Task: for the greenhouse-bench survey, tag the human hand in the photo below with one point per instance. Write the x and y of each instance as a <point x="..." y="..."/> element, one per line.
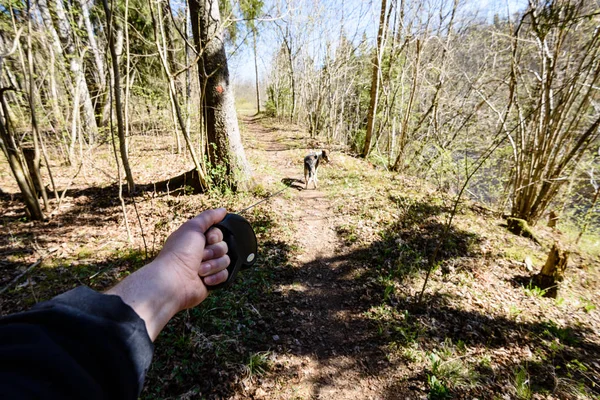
<point x="192" y="258"/>
<point x="196" y="257"/>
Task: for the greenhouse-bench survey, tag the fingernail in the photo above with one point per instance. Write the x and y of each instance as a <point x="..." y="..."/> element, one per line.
<point x="205" y="269"/>
<point x="210" y="253"/>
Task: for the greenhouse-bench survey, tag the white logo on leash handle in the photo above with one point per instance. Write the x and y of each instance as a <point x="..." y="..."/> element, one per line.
<point x="250" y="257"/>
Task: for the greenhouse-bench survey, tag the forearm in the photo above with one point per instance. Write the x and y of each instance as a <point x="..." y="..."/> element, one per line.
<point x="177" y="278"/>
<point x="150" y="292"/>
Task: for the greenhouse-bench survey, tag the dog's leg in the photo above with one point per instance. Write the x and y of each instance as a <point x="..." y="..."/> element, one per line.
<point x="316" y="177"/>
<point x="305" y="178"/>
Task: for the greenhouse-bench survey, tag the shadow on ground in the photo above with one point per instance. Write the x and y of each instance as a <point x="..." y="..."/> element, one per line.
<point x="327" y="310"/>
<point x="295" y="183"/>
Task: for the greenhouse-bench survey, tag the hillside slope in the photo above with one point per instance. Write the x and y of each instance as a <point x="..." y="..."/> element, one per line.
<point x="330" y="310"/>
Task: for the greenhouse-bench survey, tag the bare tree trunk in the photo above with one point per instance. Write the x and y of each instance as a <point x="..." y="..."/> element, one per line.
<point x="554" y="129"/>
<point x="375" y="80"/>
<point x="128" y="82"/>
<point x="67" y="38"/>
<point x="56" y="68"/>
<point x="35" y="173"/>
<point x="100" y="72"/>
<point x="17" y="166"/>
<point x="173" y="93"/>
<point x="188" y="76"/>
<point x="168" y="48"/>
<point x="256" y="71"/>
<point x="224" y="141"/>
<point x="117" y="95"/>
<point x="407" y="114"/>
<point x="74" y="124"/>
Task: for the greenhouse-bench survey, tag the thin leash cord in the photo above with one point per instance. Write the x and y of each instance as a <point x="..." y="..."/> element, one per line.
<point x="263" y="200"/>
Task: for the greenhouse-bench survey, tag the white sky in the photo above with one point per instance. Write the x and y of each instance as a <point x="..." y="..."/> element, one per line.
<point x="358" y="17"/>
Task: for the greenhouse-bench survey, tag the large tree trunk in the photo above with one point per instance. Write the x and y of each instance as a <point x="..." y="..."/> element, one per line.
<point x="375" y="81"/>
<point x="67" y="38"/>
<point x="224" y="142"/>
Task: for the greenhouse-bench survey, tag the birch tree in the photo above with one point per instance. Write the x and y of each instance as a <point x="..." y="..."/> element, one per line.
<point x="71" y="54"/>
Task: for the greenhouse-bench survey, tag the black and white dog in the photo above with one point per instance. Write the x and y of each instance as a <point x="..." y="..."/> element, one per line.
<point x="311" y="166"/>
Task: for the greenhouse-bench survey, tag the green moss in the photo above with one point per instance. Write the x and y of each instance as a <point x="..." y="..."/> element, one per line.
<point x="520" y="227"/>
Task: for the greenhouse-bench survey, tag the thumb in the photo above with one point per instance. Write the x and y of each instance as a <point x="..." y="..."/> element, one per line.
<point x="208" y="218"/>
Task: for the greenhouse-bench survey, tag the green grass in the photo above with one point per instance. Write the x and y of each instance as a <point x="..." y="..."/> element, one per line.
<point x="401" y="327"/>
<point x="437" y="389"/>
<point x="551" y="330"/>
<point x="587" y="305"/>
<point x="413" y="353"/>
<point x="534" y="291"/>
<point x="448" y="370"/>
<point x="589" y="242"/>
<point x="259" y="363"/>
<point x="521" y="384"/>
<point x="515" y="252"/>
<point x="514" y="311"/>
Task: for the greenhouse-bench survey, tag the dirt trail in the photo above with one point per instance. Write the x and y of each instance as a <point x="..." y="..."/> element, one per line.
<point x="326" y="349"/>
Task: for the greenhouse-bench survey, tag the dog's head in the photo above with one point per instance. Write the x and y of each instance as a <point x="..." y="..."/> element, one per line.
<point x="324" y="155"/>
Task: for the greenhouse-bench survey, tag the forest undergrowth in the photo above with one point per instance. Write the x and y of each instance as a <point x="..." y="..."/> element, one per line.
<point x="331" y="310"/>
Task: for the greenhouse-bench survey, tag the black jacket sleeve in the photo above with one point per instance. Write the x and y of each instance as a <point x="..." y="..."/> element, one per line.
<point x="79" y="345"/>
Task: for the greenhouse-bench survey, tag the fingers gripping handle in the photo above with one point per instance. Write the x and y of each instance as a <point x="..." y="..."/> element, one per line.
<point x="241" y="243"/>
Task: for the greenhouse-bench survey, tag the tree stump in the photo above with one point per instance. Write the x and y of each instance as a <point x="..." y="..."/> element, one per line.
<point x="552" y="219"/>
<point x="553" y="271"/>
<point x="520" y="227"/>
<point x="32" y="166"/>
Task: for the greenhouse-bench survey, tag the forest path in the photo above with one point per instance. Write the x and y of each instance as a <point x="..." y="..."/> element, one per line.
<point x="326" y="348"/>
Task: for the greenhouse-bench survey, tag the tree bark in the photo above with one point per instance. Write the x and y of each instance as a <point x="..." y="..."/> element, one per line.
<point x="117" y="95"/>
<point x="256" y="72"/>
<point x="173" y="92"/>
<point x="375" y="81"/>
<point x="68" y="43"/>
<point x="553" y="271"/>
<point x="17" y="166"/>
<point x="55" y="49"/>
<point x="168" y="47"/>
<point x="224" y="141"/>
<point x="35" y="171"/>
<point x="100" y="71"/>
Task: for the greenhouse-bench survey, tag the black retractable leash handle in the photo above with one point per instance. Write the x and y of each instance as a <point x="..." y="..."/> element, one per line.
<point x="241" y="243"/>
